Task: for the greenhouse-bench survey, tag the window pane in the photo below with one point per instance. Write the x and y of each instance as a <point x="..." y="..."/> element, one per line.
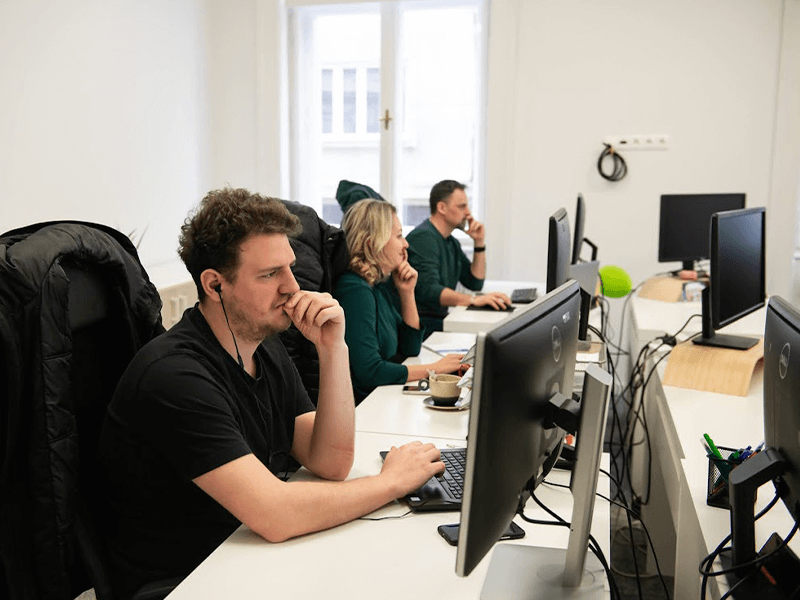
<point x="343" y="43"/>
<point x="331" y="211"/>
<point x="441" y="86"/>
<point x="327" y="100"/>
<point x="414" y="214"/>
<point x="349" y="100"/>
<point x="373" y="99"/>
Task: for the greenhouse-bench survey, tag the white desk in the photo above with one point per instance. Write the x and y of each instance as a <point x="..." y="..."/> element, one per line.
<point x="677" y="515"/>
<point x="377" y="559"/>
<point x="388" y="410"/>
<point x="369" y="559"/>
<point x="459" y="319"/>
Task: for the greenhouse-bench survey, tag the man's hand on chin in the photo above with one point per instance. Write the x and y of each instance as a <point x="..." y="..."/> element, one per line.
<point x="319" y="317"/>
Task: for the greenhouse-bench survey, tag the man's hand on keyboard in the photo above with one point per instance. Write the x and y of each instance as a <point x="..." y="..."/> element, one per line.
<point x="411" y="465"/>
<point x="497" y="300"/>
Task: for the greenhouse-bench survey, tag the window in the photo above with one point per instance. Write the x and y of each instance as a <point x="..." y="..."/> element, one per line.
<point x="353" y="114"/>
<point x="420" y="63"/>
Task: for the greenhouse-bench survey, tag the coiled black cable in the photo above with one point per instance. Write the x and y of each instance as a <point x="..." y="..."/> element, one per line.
<point x="620" y="168"/>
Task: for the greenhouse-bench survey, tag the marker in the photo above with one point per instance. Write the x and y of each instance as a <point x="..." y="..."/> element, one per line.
<point x="714" y="454"/>
<point x="711" y="446"/>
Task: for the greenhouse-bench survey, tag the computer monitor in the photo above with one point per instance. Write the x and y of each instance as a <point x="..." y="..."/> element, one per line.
<point x="585" y="273"/>
<point x="780" y="460"/>
<point x="683" y="233"/>
<point x="524" y="373"/>
<point x="782" y="393"/>
<point x="578" y="239"/>
<point x="558" y="259"/>
<point x="737" y="284"/>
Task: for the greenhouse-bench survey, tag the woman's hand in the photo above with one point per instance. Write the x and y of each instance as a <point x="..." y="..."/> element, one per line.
<point x="405" y="276"/>
<point x="449" y="364"/>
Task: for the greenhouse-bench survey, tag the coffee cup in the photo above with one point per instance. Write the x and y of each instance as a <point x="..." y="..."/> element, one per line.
<point x="444" y="389"/>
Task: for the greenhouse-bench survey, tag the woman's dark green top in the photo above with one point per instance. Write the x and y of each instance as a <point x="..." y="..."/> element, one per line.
<point x="375" y="332"/>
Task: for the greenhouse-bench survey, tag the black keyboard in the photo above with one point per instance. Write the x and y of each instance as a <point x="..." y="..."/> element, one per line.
<point x="442" y="492"/>
<point x="524" y="295"/>
<point x="453" y="477"/>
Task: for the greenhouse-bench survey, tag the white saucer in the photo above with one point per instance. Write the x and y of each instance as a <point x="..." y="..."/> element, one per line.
<point x="459" y="405"/>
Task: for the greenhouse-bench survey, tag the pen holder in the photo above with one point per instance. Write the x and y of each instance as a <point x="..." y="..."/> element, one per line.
<point x="717" y="492"/>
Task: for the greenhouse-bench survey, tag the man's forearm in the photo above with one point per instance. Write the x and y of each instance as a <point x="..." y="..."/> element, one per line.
<point x="278" y="511"/>
<point x="478" y="267"/>
<point x="450" y="297"/>
<point x="321" y="505"/>
<point x="332" y="441"/>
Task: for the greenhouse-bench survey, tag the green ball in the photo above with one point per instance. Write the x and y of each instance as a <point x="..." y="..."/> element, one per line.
<point x="616" y="281"/>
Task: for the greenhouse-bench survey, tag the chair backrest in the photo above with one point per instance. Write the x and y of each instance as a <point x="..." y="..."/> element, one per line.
<point x="321" y="253"/>
<point x="75" y="306"/>
<point x="95" y="370"/>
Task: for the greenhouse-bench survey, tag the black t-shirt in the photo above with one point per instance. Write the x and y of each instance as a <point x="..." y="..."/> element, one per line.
<point x="183" y="408"/>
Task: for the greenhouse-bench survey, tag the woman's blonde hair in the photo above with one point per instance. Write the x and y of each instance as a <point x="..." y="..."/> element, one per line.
<point x="367" y="225"/>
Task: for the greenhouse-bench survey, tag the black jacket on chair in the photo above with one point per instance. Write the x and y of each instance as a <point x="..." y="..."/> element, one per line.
<point x="321" y="253"/>
<point x="75" y="306"/>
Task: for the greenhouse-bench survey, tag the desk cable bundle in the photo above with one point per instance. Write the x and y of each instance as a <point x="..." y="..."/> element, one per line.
<point x="619" y="499"/>
<point x="637" y="386"/>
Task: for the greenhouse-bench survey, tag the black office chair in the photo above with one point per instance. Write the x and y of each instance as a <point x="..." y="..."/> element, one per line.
<point x="75" y="306"/>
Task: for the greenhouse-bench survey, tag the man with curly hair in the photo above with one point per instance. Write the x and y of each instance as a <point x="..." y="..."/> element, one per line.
<point x="208" y="417"/>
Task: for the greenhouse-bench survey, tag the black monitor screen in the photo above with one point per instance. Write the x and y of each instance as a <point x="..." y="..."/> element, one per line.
<point x="577" y="238"/>
<point x="737" y="264"/>
<point x="558" y="259"/>
<point x="782" y="393"/>
<point x="684" y="225"/>
<point x="520" y="364"/>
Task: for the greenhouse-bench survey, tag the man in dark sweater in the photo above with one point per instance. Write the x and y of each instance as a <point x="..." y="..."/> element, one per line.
<point x="441" y="263"/>
<point x="208" y="416"/>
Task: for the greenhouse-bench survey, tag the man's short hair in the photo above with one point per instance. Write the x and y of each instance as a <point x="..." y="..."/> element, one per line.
<point x="212" y="235"/>
<point x="442" y="190"/>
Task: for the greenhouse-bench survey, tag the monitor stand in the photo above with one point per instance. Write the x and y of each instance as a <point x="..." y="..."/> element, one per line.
<point x="721" y="340"/>
<point x="536" y="573"/>
<point x="709" y="337"/>
<point x="533" y="572"/>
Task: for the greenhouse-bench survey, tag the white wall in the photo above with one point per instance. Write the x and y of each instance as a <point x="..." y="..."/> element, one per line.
<point x="564" y="74"/>
<point x="103" y="116"/>
<point x="126" y="112"/>
<point x="249" y="112"/>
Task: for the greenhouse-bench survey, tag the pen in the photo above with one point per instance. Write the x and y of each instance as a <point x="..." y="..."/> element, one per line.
<point x="432" y="350"/>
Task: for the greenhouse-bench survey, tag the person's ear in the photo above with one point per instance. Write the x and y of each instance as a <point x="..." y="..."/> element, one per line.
<point x="211" y="281"/>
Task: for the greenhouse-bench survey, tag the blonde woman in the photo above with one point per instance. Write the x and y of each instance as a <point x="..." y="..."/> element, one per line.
<point x="382" y="326"/>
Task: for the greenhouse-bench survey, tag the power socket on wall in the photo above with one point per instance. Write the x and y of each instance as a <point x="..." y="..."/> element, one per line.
<point x="638" y="141"/>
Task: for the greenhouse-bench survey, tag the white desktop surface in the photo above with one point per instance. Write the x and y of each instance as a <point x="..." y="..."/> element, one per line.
<point x="474" y="321"/>
<point x="654" y="318"/>
<point x="388" y="410"/>
<point x="459" y="319"/>
<point x="370" y="559"/>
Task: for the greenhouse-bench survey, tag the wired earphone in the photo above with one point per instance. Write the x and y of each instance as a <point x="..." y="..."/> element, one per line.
<point x="218" y="288"/>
